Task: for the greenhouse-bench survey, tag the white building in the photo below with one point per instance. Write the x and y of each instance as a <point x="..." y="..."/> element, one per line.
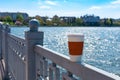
<point x="14" y="15"/>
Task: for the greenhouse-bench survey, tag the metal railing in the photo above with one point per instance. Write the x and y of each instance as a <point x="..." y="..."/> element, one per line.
<point x="16" y="58"/>
<point x="27" y="59"/>
<point x="72" y="70"/>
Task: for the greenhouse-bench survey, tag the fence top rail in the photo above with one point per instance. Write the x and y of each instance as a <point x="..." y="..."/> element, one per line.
<point x="83" y="70"/>
<point x="19" y="39"/>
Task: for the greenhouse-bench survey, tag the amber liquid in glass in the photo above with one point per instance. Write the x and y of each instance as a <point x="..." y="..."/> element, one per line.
<point x="75" y="48"/>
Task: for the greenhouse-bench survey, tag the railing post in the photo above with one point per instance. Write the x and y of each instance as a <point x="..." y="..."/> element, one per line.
<point x="5" y="49"/>
<point x="1" y="41"/>
<point x="32" y="37"/>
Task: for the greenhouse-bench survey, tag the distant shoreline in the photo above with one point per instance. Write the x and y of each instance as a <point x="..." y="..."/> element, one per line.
<point x="63" y="26"/>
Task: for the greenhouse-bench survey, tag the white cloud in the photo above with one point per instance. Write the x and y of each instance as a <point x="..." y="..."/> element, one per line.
<point x="95" y="7"/>
<point x="110" y="10"/>
<point x="50" y="2"/>
<point x="46" y="4"/>
<point x="113" y="5"/>
<point x="116" y="2"/>
<point x="45" y="7"/>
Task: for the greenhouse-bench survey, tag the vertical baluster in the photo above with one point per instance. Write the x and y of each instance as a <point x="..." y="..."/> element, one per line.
<point x="50" y="74"/>
<point x="37" y="66"/>
<point x="45" y="68"/>
<point x="16" y="68"/>
<point x="20" y="48"/>
<point x="1" y="41"/>
<point x="57" y="73"/>
<point x="19" y="67"/>
<point x="24" y="71"/>
<point x="68" y="76"/>
<point x="54" y="72"/>
<point x="23" y="49"/>
<point x="41" y="68"/>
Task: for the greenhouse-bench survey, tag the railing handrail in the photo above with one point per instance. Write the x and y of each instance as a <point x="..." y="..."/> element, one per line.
<point x="21" y="44"/>
<point x="20" y="39"/>
<point x="85" y="71"/>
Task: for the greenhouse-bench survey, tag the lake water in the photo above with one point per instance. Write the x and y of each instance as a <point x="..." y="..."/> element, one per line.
<point x="101" y="47"/>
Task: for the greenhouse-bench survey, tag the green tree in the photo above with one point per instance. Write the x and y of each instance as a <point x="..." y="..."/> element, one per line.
<point x="116" y="23"/>
<point x="102" y="22"/>
<point x="108" y="22"/>
<point x="62" y="23"/>
<point x="40" y="20"/>
<point x="20" y="18"/>
<point x="111" y="20"/>
<point x="2" y="19"/>
<point x="8" y="19"/>
<point x="79" y="21"/>
<point x="48" y="23"/>
<point x="56" y="20"/>
<point x="25" y="22"/>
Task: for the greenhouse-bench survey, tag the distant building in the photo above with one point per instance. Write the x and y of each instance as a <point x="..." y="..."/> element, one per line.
<point x="91" y="20"/>
<point x="14" y="15"/>
<point x="68" y="20"/>
<point x="116" y="19"/>
<point x="44" y="18"/>
<point x="18" y="23"/>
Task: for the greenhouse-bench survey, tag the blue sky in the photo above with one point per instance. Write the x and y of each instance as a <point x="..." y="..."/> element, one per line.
<point x="102" y="8"/>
